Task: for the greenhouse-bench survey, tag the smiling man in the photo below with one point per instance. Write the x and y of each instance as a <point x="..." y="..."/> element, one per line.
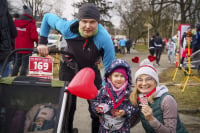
<point x="88" y="42"/>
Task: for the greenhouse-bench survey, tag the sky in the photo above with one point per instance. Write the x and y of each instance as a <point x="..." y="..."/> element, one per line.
<point x="68" y="10"/>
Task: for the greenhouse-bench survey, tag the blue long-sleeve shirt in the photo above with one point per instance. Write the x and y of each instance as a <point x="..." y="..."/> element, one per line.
<point x="103" y="45"/>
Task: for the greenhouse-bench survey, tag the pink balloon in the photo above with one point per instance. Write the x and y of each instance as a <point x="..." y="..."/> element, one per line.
<point x="82" y="85"/>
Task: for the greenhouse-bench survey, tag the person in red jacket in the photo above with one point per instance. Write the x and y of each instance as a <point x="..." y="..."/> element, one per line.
<point x="27" y="35"/>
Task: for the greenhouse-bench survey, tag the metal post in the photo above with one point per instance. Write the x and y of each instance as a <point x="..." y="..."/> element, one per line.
<point x="148" y="36"/>
<point x="172" y="25"/>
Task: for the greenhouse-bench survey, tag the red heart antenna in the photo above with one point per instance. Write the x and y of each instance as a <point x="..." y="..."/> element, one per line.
<point x="151" y="58"/>
<point x="135" y="59"/>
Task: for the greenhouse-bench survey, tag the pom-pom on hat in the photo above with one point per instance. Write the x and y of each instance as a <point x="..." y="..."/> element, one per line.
<point x="89" y="11"/>
<point x="146" y="67"/>
<point x="27" y="10"/>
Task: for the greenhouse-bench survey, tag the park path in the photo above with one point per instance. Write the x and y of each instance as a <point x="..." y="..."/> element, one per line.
<point x="82" y="118"/>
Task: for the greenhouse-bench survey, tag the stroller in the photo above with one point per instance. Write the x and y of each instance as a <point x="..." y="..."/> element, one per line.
<point x="19" y="95"/>
<point x="195" y="61"/>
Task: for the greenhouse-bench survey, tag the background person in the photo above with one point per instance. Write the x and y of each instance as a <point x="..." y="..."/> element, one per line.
<point x="114" y="99"/>
<point x="186" y="40"/>
<point x="128" y="45"/>
<point x="171" y="47"/>
<point x="88" y="41"/>
<point x="27" y="35"/>
<point x="152" y="46"/>
<point x="196" y="39"/>
<point x="122" y="44"/>
<point x="158" y="109"/>
<point x="158" y="47"/>
<point x="116" y="44"/>
<point x="8" y="32"/>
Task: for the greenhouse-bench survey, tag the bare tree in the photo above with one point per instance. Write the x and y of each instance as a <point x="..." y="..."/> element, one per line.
<point x="59" y="5"/>
<point x="160" y="15"/>
<point x="103" y="5"/>
<point x="133" y="18"/>
<point x="39" y="7"/>
<point x="187" y="9"/>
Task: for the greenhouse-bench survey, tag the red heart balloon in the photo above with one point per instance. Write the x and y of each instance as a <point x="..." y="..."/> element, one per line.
<point x="135" y="60"/>
<point x="151" y="58"/>
<point x="82" y="85"/>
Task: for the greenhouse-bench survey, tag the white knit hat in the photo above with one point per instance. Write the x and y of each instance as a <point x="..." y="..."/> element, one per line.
<point x="146" y="67"/>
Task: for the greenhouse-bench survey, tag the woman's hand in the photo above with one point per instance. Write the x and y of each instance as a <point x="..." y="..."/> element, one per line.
<point x="147" y="112"/>
<point x="43" y="50"/>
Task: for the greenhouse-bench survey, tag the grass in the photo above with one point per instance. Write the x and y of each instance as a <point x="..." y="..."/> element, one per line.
<point x="188" y="100"/>
<point x="141" y="48"/>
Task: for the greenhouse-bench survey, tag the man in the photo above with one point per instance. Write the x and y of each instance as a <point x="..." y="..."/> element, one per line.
<point x="8" y="33"/>
<point x="158" y="47"/>
<point x="122" y="44"/>
<point x="27" y="35"/>
<point x="87" y="41"/>
<point x="185" y="42"/>
<point x="196" y="39"/>
<point x="128" y="45"/>
<point x="151" y="46"/>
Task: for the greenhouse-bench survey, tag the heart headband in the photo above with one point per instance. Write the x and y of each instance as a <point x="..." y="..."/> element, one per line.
<point x="150" y="57"/>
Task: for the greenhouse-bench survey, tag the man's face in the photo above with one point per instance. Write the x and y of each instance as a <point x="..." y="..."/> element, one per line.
<point x="88" y="26"/>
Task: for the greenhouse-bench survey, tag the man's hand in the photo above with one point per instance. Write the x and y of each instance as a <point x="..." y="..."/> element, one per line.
<point x="43" y="50"/>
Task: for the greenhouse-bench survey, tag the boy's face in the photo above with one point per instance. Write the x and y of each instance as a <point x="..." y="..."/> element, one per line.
<point x="88" y="26"/>
<point x="117" y="79"/>
<point x="40" y="122"/>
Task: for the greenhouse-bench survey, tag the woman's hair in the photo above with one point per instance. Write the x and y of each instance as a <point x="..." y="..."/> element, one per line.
<point x="134" y="96"/>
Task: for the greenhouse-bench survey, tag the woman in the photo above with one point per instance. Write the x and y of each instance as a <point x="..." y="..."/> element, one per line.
<point x="158" y="109"/>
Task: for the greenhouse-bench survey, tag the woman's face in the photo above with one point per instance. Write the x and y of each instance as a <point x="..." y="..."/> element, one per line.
<point x="145" y="83"/>
<point x="88" y="26"/>
<point x="117" y="79"/>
